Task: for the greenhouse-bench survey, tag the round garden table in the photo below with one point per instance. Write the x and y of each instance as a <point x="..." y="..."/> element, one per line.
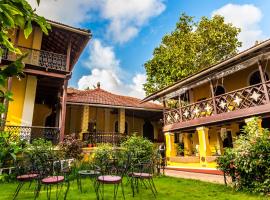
<point x="92" y="174"/>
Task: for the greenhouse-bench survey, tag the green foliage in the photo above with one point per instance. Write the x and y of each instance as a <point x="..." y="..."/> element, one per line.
<point x="139" y="148"/>
<point x="39" y="152"/>
<point x="15" y="14"/>
<point x="71" y="147"/>
<point x="180" y="149"/>
<point x="250" y="158"/>
<point x="102" y="154"/>
<point x="226" y="163"/>
<point x="18" y="14"/>
<point x="10" y="146"/>
<point x="191" y="47"/>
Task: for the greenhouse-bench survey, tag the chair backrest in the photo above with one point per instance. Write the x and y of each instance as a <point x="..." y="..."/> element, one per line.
<point x="145" y="167"/>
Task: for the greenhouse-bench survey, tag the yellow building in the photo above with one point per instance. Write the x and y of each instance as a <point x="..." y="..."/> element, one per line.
<point x="39" y="102"/>
<point x="205" y="112"/>
<point x="98" y="116"/>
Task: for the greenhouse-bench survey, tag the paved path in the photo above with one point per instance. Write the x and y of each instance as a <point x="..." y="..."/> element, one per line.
<point x="197" y="176"/>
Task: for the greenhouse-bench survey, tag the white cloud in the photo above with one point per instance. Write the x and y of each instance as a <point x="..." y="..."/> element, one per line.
<point x="125" y="17"/>
<point x="247" y="17"/>
<point x="105" y="68"/>
<point x="71" y="12"/>
<point x="102" y="57"/>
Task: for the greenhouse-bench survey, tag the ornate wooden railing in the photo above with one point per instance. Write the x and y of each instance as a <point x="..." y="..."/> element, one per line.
<point x="243" y="98"/>
<point x="29" y="133"/>
<point x="104" y="137"/>
<point x="41" y="58"/>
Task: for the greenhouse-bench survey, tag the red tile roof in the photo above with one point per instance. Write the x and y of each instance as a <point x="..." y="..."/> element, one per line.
<point x="101" y="97"/>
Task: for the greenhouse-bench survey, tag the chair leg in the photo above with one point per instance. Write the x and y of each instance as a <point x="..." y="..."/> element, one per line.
<point x="19" y="187"/>
<point x="132" y="186"/>
<point x="115" y="187"/>
<point x="30" y="184"/>
<point x="122" y="188"/>
<point x="144" y="184"/>
<point x="67" y="190"/>
<point x="102" y="194"/>
<point x="151" y="187"/>
<point x="59" y="191"/>
<point x="56" y="192"/>
<point x="97" y="189"/>
<point x="152" y="181"/>
<point x="38" y="187"/>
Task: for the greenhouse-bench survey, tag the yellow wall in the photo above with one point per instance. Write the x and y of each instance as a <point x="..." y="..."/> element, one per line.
<point x="200" y="92"/>
<point x="33" y="41"/>
<point x="74" y="117"/>
<point x="232" y="82"/>
<point x="41" y="112"/>
<point x="15" y="107"/>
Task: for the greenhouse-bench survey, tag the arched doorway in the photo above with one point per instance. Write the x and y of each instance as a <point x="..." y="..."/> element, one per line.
<point x="148" y="130"/>
<point x="219" y="90"/>
<point x="255" y="78"/>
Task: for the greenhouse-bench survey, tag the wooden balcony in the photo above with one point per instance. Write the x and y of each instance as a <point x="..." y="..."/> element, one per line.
<point x="44" y="59"/>
<point x="245" y="102"/>
<point x="29" y="133"/>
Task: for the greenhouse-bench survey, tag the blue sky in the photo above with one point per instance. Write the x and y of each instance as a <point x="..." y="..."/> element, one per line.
<point x="125" y="33"/>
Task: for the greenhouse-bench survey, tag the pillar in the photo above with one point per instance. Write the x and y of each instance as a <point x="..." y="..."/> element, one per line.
<point x="29" y="100"/>
<point x="234" y="130"/>
<point x="63" y="111"/>
<point x="170" y="147"/>
<point x="187" y="144"/>
<point x="220" y="143"/>
<point x="155" y="125"/>
<point x="121" y="120"/>
<point x="85" y="120"/>
<point x="73" y="118"/>
<point x="107" y="120"/>
<point x="204" y="145"/>
<point x="252" y="121"/>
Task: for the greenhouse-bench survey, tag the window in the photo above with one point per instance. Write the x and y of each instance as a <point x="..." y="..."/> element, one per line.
<point x="255" y="78"/>
<point x="219" y="90"/>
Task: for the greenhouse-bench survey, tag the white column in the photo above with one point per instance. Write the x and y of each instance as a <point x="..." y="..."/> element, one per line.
<point x="29" y="100"/>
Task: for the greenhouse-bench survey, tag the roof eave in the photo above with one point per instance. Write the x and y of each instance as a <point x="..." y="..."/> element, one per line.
<point x="70" y="28"/>
<point x="115" y="106"/>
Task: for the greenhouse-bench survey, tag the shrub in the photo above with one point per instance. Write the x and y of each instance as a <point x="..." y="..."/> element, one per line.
<point x="102" y="154"/>
<point x="10" y="146"/>
<point x="71" y="147"/>
<point x="39" y="152"/>
<point x="140" y="149"/>
<point x="250" y="159"/>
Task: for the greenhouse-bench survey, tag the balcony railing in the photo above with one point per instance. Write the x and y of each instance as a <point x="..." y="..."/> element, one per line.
<point x="29" y="133"/>
<point x="104" y="137"/>
<point x="41" y="58"/>
<point x="242" y="99"/>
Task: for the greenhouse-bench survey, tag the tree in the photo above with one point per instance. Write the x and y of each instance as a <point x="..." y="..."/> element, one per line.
<point x="191" y="47"/>
<point x="15" y="14"/>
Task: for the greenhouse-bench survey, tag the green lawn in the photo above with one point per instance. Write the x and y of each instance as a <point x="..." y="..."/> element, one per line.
<point x="168" y="188"/>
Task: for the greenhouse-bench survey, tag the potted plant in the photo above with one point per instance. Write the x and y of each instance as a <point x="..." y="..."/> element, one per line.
<point x="180" y="149"/>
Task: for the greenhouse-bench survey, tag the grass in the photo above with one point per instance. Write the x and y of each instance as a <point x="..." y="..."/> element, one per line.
<point x="168" y="188"/>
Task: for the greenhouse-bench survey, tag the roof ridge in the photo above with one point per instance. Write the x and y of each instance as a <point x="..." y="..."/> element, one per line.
<point x="101" y="96"/>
